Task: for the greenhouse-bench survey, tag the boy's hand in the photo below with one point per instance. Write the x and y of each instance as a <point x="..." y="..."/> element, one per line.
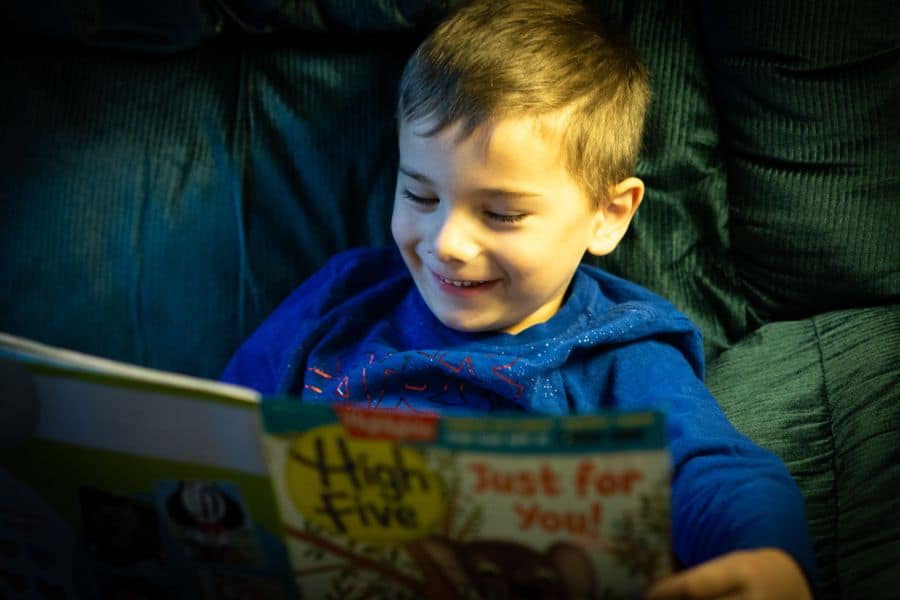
<point x="766" y="574"/>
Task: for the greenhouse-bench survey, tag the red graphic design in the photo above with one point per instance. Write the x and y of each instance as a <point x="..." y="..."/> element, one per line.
<point x="412" y="390"/>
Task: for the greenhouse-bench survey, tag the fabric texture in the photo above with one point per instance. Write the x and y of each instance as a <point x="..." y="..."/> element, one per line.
<point x="822" y="394"/>
<point x="147" y="26"/>
<point x="679" y="242"/>
<point x="359" y="331"/>
<point x="117" y="202"/>
<point x="770" y="386"/>
<point x="183" y="198"/>
<point x="810" y="119"/>
<point x="319" y="167"/>
<point x="861" y="371"/>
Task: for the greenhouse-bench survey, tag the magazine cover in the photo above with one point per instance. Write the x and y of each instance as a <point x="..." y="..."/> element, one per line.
<point x="381" y="504"/>
<point x="121" y="482"/>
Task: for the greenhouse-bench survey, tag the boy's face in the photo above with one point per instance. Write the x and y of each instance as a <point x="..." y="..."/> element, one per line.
<point x="492" y="227"/>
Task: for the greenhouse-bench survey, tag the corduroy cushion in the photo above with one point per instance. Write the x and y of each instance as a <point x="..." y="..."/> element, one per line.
<point x="679" y="240"/>
<point x="321" y="162"/>
<point x="118" y="199"/>
<point x="824" y="394"/>
<point x="155" y="210"/>
<point x="149" y="26"/>
<point x="809" y="97"/>
<point x="171" y="26"/>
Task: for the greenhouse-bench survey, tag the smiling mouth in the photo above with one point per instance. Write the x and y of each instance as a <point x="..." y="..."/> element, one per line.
<point x="460" y="283"/>
<point x="462" y="288"/>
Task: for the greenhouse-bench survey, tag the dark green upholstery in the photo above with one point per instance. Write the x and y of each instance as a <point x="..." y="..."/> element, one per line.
<point x="320" y="163"/>
<point x="861" y="372"/>
<point x="118" y="202"/>
<point x="679" y="242"/>
<point x="810" y="114"/>
<point x="822" y="394"/>
<point x="172" y="170"/>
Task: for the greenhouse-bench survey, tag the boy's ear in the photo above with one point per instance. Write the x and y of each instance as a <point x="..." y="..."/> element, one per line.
<point x="611" y="221"/>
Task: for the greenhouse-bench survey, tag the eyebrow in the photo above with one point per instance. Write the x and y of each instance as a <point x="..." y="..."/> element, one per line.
<point x="496" y="192"/>
<point x="414" y="175"/>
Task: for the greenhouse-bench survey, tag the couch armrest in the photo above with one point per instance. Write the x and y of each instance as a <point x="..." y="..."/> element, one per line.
<point x="824" y="394"/>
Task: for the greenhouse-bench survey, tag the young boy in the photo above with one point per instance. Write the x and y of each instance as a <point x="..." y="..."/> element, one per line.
<point x="519" y="128"/>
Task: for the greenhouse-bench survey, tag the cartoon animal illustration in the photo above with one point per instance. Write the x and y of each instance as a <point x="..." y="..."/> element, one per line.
<point x="500" y="570"/>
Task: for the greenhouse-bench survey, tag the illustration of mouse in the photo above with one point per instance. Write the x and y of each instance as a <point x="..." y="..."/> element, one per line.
<point x="500" y="570"/>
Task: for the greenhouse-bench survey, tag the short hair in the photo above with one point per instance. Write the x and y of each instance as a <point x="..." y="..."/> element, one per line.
<point x="517" y="58"/>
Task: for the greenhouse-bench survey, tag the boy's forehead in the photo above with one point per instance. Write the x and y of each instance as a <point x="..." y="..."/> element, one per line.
<point x="498" y="136"/>
<point x="528" y="131"/>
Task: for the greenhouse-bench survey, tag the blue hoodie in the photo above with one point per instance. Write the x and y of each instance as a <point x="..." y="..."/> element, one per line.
<point x="359" y="331"/>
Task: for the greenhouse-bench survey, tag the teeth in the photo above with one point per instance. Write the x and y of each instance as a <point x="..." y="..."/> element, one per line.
<point x="455" y="283"/>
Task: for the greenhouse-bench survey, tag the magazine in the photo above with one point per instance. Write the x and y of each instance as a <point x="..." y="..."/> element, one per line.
<point x="121" y="481"/>
<point x="380" y="504"/>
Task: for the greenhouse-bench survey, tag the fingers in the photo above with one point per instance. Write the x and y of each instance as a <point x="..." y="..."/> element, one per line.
<point x="714" y="579"/>
<point x="764" y="574"/>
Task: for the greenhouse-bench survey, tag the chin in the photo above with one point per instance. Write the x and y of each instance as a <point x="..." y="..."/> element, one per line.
<point x="466" y="326"/>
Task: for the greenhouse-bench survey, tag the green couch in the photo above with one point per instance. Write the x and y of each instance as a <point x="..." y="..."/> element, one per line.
<point x="173" y="169"/>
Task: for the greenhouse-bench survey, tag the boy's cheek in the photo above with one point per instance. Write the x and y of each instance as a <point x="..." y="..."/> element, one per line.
<point x="399" y="226"/>
<point x="405" y="237"/>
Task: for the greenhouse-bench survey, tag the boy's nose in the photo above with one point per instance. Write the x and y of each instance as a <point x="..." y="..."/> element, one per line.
<point x="452" y="240"/>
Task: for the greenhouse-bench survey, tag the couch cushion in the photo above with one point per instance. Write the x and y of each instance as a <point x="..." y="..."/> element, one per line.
<point x="336" y="16"/>
<point x="824" y="394"/>
<point x="149" y="26"/>
<point x="678" y="243"/>
<point x="861" y="359"/>
<point x="118" y="201"/>
<point x="171" y="26"/>
<point x="810" y="108"/>
<point x="320" y="162"/>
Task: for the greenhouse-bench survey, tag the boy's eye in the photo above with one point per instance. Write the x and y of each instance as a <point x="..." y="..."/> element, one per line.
<point x="505" y="218"/>
<point x="419" y="199"/>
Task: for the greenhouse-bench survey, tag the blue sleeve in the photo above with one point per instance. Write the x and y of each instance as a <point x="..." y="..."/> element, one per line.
<point x="727" y="492"/>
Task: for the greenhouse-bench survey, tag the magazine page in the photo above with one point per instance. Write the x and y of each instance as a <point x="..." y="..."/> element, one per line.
<point x="123" y="482"/>
<point x="402" y="505"/>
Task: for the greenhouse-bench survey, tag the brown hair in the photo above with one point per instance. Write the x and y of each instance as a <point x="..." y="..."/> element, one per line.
<point x="514" y="58"/>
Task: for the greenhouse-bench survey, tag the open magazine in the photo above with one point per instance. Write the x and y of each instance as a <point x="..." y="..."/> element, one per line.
<point x="120" y="481"/>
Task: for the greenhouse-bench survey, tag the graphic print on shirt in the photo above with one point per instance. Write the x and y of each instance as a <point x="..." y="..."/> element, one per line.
<point x="418" y="380"/>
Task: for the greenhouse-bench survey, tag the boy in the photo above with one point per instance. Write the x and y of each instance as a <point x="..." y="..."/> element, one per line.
<point x="519" y="125"/>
